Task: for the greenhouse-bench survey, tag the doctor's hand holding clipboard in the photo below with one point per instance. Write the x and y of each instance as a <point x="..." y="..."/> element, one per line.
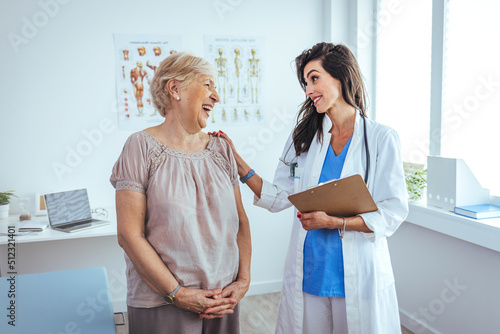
<point x="338" y="274"/>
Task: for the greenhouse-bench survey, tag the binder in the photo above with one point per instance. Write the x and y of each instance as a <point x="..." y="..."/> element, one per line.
<point x="342" y="198"/>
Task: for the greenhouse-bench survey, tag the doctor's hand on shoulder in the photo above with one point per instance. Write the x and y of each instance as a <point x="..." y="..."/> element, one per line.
<point x="318" y="219"/>
<point x="238" y="158"/>
<point x="226" y="137"/>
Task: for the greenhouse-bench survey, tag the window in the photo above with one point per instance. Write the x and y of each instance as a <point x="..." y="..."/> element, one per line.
<point x="403" y="73"/>
<point x="471" y="94"/>
<point x="470" y="110"/>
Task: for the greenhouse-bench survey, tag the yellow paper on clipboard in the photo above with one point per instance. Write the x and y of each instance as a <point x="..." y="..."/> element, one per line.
<point x="342" y="198"/>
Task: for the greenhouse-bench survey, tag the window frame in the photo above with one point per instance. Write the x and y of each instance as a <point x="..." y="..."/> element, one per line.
<point x="439" y="8"/>
<point x="482" y="231"/>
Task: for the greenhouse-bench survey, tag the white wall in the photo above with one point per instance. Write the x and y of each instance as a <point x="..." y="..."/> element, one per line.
<point x="62" y="82"/>
<point x="444" y="284"/>
<point x="353" y="23"/>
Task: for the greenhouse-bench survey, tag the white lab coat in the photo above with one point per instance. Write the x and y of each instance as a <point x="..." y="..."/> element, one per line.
<point x="369" y="282"/>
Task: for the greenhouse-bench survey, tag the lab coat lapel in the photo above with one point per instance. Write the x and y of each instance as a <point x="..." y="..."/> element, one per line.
<point x="319" y="150"/>
<point x="348" y="168"/>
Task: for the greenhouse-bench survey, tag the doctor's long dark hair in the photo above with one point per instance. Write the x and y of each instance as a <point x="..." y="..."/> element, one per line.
<point x="341" y="64"/>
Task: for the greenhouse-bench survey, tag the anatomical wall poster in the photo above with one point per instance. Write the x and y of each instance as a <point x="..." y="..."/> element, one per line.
<point x="239" y="65"/>
<point x="137" y="58"/>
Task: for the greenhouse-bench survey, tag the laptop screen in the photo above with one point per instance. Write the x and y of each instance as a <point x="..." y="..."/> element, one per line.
<point x="68" y="207"/>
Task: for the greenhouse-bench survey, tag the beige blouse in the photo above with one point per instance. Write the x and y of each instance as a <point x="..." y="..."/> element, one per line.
<point x="191" y="218"/>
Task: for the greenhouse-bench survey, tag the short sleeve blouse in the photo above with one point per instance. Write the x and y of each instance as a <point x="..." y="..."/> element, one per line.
<point x="191" y="218"/>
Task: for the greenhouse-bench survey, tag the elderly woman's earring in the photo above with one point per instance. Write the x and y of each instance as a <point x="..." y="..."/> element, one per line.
<point x="178" y="98"/>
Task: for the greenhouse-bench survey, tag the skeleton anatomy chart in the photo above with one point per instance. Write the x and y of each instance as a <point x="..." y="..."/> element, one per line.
<point x="137" y="58"/>
<point x="238" y="62"/>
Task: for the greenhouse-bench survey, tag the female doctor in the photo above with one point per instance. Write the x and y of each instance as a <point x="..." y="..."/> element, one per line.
<point x="338" y="275"/>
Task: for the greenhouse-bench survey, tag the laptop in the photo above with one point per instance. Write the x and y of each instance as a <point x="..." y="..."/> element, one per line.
<point x="69" y="211"/>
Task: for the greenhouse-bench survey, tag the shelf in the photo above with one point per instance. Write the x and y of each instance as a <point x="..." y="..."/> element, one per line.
<point x="482" y="232"/>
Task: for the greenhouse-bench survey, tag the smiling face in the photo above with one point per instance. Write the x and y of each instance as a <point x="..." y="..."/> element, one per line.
<point x="198" y="100"/>
<point x="324" y="90"/>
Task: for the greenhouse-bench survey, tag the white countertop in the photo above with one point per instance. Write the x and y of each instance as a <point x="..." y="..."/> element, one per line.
<point x="482" y="232"/>
<point x="50" y="234"/>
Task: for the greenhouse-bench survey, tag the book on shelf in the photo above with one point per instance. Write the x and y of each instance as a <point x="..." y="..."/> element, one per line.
<point x="479" y="211"/>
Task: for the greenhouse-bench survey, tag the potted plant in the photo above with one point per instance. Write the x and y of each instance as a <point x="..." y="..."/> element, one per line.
<point x="416" y="183"/>
<point x="416" y="180"/>
<point x="5" y="203"/>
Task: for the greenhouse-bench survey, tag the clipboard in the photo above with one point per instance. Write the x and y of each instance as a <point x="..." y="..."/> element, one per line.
<point x="342" y="198"/>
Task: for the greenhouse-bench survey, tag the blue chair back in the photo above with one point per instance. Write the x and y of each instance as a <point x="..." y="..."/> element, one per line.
<point x="70" y="301"/>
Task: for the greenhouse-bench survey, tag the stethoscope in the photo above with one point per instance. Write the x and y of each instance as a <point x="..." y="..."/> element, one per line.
<point x="293" y="164"/>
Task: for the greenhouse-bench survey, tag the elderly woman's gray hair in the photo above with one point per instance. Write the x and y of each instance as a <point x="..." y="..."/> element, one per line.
<point x="181" y="66"/>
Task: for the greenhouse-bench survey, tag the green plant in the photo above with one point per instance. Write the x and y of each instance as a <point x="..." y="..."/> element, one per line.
<point x="416" y="183"/>
<point x="5" y="197"/>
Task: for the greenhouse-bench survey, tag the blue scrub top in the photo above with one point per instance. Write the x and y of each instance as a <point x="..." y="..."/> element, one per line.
<point x="323" y="259"/>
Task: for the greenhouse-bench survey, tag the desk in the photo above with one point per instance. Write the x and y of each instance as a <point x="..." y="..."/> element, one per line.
<point x="53" y="250"/>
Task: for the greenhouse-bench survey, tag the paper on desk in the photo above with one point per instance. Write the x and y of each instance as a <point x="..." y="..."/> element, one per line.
<point x="33" y="225"/>
<point x="28" y="227"/>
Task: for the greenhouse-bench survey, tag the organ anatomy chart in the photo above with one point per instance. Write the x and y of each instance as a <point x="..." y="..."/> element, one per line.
<point x="239" y="67"/>
<point x="137" y="58"/>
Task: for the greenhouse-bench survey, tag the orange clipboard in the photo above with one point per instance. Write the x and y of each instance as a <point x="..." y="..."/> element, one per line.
<point x="342" y="198"/>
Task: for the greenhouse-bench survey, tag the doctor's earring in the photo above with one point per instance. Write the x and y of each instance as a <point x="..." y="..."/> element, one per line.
<point x="178" y="98"/>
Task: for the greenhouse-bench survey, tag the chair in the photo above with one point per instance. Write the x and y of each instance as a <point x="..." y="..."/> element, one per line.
<point x="70" y="301"/>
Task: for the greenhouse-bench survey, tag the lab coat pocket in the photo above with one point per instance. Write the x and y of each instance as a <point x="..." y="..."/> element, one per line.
<point x="383" y="268"/>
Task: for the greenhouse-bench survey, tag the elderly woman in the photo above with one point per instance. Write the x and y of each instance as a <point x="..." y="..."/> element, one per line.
<point x="181" y="221"/>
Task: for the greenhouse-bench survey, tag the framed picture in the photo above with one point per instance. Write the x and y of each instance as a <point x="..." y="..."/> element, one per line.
<point x="40" y="209"/>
